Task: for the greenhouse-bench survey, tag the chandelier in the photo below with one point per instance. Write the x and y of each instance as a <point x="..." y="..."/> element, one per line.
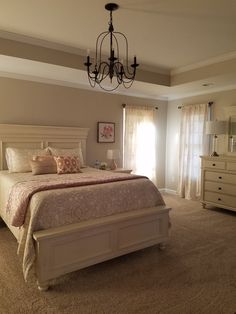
<point x="113" y="68"/>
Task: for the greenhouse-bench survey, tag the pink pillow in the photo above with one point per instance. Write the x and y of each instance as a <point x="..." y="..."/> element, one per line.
<point x="67" y="164"/>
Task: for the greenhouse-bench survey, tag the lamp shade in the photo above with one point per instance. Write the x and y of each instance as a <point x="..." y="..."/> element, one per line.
<point x="216" y="127"/>
<point x="113" y="154"/>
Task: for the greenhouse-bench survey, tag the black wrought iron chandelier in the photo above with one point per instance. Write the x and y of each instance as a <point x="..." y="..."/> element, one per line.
<point x="113" y="68"/>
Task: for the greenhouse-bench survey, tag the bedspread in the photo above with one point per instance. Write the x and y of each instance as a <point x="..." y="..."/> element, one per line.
<point x="53" y="208"/>
<point x="22" y="191"/>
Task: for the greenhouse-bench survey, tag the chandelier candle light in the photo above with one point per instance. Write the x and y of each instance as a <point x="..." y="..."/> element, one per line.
<point x="113" y="67"/>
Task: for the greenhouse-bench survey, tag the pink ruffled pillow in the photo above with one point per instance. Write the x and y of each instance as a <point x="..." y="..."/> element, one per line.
<point x="67" y="164"/>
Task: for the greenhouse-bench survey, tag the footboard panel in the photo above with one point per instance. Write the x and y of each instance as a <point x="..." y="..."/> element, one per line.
<point x="72" y="247"/>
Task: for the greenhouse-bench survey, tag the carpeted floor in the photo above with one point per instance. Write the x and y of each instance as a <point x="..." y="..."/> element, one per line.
<point x="196" y="273"/>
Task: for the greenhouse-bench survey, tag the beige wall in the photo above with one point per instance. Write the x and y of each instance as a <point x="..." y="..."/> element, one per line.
<point x="24" y="102"/>
<point x="221" y="101"/>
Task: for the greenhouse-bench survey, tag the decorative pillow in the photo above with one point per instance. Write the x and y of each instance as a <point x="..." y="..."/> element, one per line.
<point x="18" y="159"/>
<point x="67" y="164"/>
<point x="68" y="152"/>
<point x="43" y="165"/>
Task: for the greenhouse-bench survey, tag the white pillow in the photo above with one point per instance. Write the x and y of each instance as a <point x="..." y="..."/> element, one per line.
<point x="18" y="159"/>
<point x="68" y="152"/>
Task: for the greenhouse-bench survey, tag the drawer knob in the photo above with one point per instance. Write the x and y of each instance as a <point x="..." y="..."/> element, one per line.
<point x="213" y="165"/>
<point x="219" y="188"/>
<point x="220" y="177"/>
<point x="219" y="199"/>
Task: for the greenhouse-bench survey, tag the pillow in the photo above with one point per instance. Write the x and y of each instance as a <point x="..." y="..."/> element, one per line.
<point x="43" y="165"/>
<point x="18" y="158"/>
<point x="67" y="164"/>
<point x="68" y="152"/>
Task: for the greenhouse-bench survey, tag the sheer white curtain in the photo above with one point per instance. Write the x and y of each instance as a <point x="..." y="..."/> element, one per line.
<point x="193" y="143"/>
<point x="140" y="140"/>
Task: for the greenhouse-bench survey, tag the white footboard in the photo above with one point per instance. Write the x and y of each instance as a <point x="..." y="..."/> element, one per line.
<point x="72" y="247"/>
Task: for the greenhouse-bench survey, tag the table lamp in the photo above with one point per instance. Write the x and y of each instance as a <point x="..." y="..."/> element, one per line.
<point x="113" y="154"/>
<point x="215" y="128"/>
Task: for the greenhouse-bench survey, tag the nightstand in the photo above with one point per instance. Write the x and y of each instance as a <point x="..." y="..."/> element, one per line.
<point x="122" y="170"/>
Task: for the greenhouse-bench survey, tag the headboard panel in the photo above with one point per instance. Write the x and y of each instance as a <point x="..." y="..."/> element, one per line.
<point x="31" y="136"/>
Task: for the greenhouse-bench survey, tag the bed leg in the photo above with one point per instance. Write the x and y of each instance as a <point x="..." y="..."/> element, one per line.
<point x="43" y="286"/>
<point x="162" y="246"/>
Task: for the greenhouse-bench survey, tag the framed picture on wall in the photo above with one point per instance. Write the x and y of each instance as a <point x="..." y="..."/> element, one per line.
<point x="106" y="132"/>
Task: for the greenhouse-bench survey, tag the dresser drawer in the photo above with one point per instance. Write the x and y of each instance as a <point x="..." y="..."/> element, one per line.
<point x="220" y="177"/>
<point x="220" y="199"/>
<point x="231" y="166"/>
<point x="220" y="187"/>
<point x="214" y="164"/>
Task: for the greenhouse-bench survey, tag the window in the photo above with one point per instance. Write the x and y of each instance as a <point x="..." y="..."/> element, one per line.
<point x="139" y="140"/>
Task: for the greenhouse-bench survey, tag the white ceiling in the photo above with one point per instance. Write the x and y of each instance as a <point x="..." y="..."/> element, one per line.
<point x="164" y="34"/>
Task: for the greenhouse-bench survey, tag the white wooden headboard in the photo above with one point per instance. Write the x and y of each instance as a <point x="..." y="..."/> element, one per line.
<point x="31" y="136"/>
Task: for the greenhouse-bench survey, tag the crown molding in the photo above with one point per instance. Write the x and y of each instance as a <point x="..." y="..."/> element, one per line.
<point x="69" y="49"/>
<point x="214" y="60"/>
<point x="36" y="71"/>
<point x="205" y="92"/>
<point x="41" y="42"/>
<point x="24" y="69"/>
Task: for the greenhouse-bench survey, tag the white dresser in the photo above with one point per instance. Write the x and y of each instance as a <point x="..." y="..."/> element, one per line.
<point x="219" y="181"/>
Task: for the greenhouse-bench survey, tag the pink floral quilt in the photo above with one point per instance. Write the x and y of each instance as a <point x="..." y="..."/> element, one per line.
<point x="21" y="192"/>
<point x="48" y="201"/>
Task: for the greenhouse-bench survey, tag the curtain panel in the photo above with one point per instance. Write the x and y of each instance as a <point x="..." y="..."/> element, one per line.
<point x="193" y="143"/>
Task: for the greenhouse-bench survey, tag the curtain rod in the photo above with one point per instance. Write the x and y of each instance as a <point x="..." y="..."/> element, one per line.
<point x="210" y="103"/>
<point x="124" y="105"/>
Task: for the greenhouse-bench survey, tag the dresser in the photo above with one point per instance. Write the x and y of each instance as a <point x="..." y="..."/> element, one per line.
<point x="218" y="175"/>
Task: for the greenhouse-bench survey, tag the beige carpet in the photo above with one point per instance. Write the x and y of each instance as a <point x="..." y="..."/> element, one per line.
<point x="195" y="274"/>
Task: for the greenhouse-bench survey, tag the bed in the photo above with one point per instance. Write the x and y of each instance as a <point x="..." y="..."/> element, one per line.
<point x="91" y="231"/>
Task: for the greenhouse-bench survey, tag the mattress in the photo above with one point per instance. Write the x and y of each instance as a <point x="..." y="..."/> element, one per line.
<point x="57" y="207"/>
